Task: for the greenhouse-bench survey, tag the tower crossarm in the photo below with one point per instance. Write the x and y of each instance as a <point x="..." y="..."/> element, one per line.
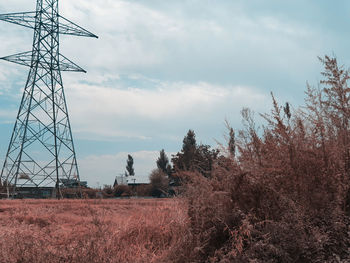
<point x="25" y="59"/>
<point x="68" y="65"/>
<point x="70" y="28"/>
<point x="27" y="19"/>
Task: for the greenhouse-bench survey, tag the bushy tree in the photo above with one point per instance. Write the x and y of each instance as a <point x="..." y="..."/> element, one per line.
<point x="194" y="157"/>
<point x="122" y="190"/>
<point x="107" y="191"/>
<point x="159" y="183"/>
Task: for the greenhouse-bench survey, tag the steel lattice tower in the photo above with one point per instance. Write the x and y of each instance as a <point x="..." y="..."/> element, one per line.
<point x="41" y="151"/>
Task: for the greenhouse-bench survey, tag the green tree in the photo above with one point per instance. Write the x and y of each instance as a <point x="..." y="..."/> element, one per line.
<point x="193" y="157"/>
<point x="130" y="166"/>
<point x="163" y="161"/>
<point x="183" y="160"/>
<point x="189" y="142"/>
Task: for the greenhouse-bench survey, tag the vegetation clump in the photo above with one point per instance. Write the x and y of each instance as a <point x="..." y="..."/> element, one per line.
<point x="284" y="195"/>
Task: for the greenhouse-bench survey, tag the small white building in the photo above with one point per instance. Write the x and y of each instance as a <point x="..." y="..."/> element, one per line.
<point x="121" y="180"/>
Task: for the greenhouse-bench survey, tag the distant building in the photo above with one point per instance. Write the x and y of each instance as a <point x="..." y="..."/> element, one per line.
<point x="120" y="180"/>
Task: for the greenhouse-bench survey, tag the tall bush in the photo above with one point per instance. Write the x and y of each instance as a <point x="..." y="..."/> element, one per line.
<point x="284" y="196"/>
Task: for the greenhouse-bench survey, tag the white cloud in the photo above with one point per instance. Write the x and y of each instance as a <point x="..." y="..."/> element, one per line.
<point x="179" y="41"/>
<point x="130" y="33"/>
<point x="181" y="50"/>
<point x="106" y="111"/>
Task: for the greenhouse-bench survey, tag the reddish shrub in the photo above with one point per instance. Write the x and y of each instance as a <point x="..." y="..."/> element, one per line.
<point x="122" y="190"/>
<point x="285" y="196"/>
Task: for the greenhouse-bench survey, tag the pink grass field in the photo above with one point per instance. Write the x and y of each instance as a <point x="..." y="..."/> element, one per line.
<point x="135" y="230"/>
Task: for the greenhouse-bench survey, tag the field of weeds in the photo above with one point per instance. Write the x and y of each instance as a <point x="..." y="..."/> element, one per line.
<point x="90" y="230"/>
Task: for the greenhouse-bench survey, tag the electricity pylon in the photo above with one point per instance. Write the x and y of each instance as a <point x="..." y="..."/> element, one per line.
<point x="41" y="151"/>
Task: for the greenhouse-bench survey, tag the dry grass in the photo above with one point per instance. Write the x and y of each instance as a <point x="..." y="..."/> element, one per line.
<point x="90" y="230"/>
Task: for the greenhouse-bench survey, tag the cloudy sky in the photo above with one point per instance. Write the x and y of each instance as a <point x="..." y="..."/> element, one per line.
<point x="161" y="67"/>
